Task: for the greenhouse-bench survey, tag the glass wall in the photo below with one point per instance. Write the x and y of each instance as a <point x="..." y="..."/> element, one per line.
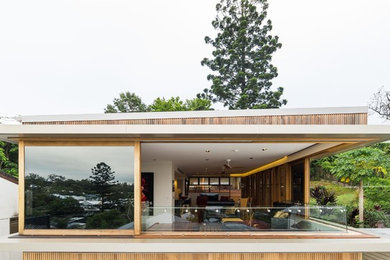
<point x="79" y="187"/>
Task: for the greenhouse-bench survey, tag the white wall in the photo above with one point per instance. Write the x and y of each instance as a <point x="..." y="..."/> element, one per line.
<point x="8" y="204"/>
<point x="163" y="176"/>
<point x="163" y="195"/>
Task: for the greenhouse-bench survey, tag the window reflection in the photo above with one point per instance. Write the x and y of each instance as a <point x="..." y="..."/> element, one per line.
<point x="73" y="187"/>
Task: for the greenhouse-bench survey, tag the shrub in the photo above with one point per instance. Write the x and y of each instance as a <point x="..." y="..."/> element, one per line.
<point x="322" y="195"/>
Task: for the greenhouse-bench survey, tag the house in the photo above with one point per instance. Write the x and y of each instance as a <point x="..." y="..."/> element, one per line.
<point x="199" y="184"/>
<point x="8" y="203"/>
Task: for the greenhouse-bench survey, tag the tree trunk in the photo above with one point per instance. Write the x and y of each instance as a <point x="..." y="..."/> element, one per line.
<point x="361" y="204"/>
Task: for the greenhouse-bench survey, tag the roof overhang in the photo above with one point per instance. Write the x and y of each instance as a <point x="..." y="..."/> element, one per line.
<point x="276" y="133"/>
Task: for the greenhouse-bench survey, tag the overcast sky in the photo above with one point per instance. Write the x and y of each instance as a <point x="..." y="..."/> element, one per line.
<point x="75" y="56"/>
<point x="76" y="162"/>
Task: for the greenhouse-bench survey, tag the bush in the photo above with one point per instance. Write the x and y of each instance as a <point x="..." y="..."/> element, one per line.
<point x="322" y="195"/>
<point x="376" y="219"/>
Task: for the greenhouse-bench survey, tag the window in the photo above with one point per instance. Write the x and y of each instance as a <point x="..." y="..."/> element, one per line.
<point x="79" y="187"/>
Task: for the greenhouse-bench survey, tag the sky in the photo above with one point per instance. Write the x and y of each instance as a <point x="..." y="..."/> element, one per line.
<point x="76" y="162"/>
<point x="76" y="56"/>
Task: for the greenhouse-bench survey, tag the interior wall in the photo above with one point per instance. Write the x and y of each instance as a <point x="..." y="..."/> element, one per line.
<point x="163" y="177"/>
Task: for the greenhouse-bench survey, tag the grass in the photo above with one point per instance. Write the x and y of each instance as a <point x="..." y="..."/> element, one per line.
<point x="345" y="195"/>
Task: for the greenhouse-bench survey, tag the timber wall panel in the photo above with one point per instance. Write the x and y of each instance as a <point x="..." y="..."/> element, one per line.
<point x="190" y="256"/>
<point x="315" y="119"/>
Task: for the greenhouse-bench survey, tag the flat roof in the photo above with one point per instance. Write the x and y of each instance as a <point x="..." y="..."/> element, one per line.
<point x="194" y="114"/>
<point x="344" y="132"/>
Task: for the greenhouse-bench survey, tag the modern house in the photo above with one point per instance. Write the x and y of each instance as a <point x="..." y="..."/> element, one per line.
<point x="184" y="185"/>
<point x="8" y="204"/>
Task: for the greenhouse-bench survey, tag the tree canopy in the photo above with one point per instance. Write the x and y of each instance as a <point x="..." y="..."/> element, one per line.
<point x="241" y="63"/>
<point x="130" y="102"/>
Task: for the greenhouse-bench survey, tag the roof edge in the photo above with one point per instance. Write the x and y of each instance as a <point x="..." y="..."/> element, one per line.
<point x="195" y="114"/>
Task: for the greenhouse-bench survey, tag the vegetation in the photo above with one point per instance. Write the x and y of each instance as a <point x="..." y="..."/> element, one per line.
<point x="130" y="102"/>
<point x="322" y="195"/>
<point x="363" y="169"/>
<point x="87" y="203"/>
<point x="9" y="158"/>
<point x="241" y="63"/>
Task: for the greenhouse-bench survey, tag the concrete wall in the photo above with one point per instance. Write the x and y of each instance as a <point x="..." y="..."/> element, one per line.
<point x="8" y="204"/>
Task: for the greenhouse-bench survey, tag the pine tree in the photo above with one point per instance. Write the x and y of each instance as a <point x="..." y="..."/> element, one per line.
<point x="241" y="63"/>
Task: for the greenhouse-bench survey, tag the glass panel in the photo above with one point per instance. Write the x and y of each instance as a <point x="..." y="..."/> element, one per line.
<point x="219" y="218"/>
<point x="194" y="181"/>
<point x="214" y="181"/>
<point x="204" y="181"/>
<point x="79" y="187"/>
<point x="224" y="181"/>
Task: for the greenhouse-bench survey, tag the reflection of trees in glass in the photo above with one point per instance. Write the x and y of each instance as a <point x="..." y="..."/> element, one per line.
<point x="68" y="203"/>
<point x="103" y="179"/>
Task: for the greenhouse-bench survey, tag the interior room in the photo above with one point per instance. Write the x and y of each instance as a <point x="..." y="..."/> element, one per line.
<point x="234" y="186"/>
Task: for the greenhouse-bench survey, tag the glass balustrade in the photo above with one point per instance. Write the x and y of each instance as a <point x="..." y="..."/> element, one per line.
<point x="244" y="219"/>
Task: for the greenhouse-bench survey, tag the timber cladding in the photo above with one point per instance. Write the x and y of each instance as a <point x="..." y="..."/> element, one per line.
<point x="314" y="119"/>
<point x="190" y="256"/>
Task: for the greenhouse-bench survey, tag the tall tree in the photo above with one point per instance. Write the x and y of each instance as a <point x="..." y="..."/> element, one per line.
<point x="103" y="179"/>
<point x="241" y="63"/>
<point x="127" y="102"/>
<point x="380" y="103"/>
<point x="358" y="165"/>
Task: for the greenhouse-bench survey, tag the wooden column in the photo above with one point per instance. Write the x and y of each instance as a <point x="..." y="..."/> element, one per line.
<point x="307" y="186"/>
<point x="21" y="187"/>
<point x="137" y="189"/>
<point x="306" y="181"/>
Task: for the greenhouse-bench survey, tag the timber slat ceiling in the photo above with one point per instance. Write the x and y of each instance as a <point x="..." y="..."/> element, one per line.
<point x="315" y="119"/>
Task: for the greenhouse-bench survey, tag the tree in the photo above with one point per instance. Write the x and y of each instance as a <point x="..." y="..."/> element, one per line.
<point x="127" y="102"/>
<point x="380" y="103"/>
<point x="130" y="102"/>
<point x="358" y="165"/>
<point x="103" y="179"/>
<point x="175" y="104"/>
<point x="9" y="158"/>
<point x="241" y="63"/>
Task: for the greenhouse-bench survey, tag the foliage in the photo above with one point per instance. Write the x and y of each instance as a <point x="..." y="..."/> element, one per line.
<point x="322" y="195"/>
<point x="103" y="179"/>
<point x="129" y="102"/>
<point x="376" y="218"/>
<point x="241" y="63"/>
<point x="55" y="196"/>
<point x="110" y="219"/>
<point x="380" y="103"/>
<point x="64" y="206"/>
<point x="9" y="158"/>
<point x="377" y="192"/>
<point x="359" y="164"/>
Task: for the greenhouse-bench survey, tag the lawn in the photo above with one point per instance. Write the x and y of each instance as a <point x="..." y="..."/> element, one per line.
<point x="345" y="195"/>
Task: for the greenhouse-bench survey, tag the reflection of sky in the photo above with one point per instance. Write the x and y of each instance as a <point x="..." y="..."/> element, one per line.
<point x="76" y="162"/>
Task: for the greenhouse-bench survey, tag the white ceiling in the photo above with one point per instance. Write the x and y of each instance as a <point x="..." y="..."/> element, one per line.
<point x="193" y="159"/>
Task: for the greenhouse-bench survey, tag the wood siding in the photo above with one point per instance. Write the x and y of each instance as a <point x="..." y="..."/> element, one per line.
<point x="314" y="119"/>
<point x="189" y="256"/>
<point x="269" y="186"/>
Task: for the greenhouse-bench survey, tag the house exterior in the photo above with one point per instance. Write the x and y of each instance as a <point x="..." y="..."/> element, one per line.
<point x="8" y="203"/>
<point x="200" y="184"/>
